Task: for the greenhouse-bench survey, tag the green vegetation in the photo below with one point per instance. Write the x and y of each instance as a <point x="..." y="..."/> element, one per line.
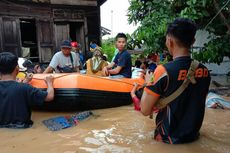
<point x="211" y="15"/>
<point x="108" y="48"/>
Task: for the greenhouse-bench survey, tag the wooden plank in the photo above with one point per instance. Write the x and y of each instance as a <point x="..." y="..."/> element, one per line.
<point x="1" y="31"/>
<point x="61" y="33"/>
<point x="86" y="36"/>
<point x="75" y="2"/>
<point x="46" y="55"/>
<point x="46" y="32"/>
<point x="72" y="2"/>
<point x="68" y="20"/>
<point x="80" y="34"/>
<point x="68" y="14"/>
<point x="45" y="40"/>
<point x="56" y="2"/>
<point x="35" y="1"/>
<point x="11" y="35"/>
<point x="25" y="10"/>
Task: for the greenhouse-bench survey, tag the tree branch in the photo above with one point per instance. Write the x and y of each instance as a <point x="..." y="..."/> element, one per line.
<point x="222" y="16"/>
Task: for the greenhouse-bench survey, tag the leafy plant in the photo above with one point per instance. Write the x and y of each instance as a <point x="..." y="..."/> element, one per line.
<point x="210" y="15"/>
<point x="108" y="45"/>
<point x="108" y="48"/>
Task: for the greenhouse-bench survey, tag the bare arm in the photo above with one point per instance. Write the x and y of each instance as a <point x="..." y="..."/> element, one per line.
<point x="49" y="69"/>
<point x="115" y="71"/>
<point x="147" y="103"/>
<point x="28" y="78"/>
<point x="110" y="65"/>
<point x="132" y="93"/>
<point x="77" y="69"/>
<point x="148" y="77"/>
<point x="149" y="98"/>
<point x="50" y="89"/>
<point x="106" y="68"/>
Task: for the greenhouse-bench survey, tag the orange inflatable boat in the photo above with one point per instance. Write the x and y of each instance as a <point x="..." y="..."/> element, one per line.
<point x="74" y="91"/>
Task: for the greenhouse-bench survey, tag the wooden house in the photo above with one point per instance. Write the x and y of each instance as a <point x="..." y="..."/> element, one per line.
<point x="35" y="28"/>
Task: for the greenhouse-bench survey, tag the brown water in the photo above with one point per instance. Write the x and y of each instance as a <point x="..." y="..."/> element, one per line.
<point x="115" y="130"/>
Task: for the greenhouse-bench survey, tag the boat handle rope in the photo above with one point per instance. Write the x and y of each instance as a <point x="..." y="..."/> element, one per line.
<point x="88" y="75"/>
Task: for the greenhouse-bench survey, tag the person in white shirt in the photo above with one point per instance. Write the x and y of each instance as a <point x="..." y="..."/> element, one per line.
<point x="64" y="61"/>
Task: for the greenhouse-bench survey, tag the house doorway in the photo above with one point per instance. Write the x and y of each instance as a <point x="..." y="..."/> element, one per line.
<point x="75" y="30"/>
<point x="76" y="33"/>
<point x="29" y="39"/>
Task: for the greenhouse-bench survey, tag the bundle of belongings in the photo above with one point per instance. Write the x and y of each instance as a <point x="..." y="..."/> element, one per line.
<point x="63" y="122"/>
<point x="215" y="97"/>
<point x="215" y="101"/>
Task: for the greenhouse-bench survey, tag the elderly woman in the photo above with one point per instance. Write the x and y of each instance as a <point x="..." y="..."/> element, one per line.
<point x="96" y="63"/>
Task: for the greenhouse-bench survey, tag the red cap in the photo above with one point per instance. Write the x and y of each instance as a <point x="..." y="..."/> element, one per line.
<point x="153" y="57"/>
<point x="74" y="44"/>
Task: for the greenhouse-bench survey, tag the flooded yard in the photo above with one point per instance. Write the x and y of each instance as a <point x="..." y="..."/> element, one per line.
<point x="114" y="130"/>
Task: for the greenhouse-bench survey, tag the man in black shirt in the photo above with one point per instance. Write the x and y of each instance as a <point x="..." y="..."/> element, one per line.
<point x="181" y="119"/>
<point x="16" y="98"/>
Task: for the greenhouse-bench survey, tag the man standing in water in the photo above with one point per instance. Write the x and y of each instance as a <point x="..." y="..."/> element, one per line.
<point x="181" y="119"/>
<point x="16" y="98"/>
<point x="122" y="61"/>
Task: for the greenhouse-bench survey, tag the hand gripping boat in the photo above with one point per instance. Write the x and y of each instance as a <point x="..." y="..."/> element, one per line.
<point x="74" y="91"/>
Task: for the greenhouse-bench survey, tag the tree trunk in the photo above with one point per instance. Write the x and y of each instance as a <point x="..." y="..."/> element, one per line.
<point x="223" y="18"/>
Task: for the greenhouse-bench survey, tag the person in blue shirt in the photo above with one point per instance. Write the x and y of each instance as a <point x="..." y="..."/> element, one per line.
<point x="121" y="66"/>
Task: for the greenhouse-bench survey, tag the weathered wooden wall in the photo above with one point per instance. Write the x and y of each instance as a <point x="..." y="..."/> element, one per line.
<point x="75" y="2"/>
<point x="65" y="2"/>
<point x="53" y="23"/>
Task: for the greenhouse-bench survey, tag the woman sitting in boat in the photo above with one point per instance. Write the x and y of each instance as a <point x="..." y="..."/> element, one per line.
<point x="96" y="63"/>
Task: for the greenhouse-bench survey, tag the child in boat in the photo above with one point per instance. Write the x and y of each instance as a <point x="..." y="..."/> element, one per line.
<point x="23" y="77"/>
<point x="16" y="98"/>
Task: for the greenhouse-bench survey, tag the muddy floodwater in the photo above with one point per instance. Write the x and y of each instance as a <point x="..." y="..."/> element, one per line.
<point x="114" y="130"/>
